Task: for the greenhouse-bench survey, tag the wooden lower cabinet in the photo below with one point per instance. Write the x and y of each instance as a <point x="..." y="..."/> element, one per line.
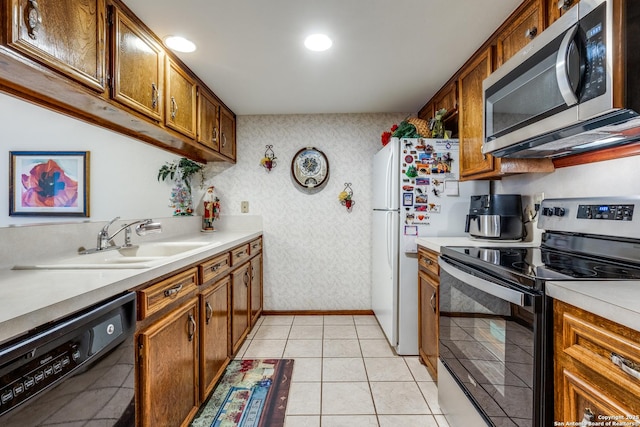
<point x="256" y="289"/>
<point x="214" y="334"/>
<point x="590" y="384"/>
<point x="428" y="309"/>
<point x="168" y="368"/>
<point x="240" y="280"/>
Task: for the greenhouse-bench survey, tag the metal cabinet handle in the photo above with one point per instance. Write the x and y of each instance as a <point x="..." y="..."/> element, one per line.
<point x="224" y="139"/>
<point x="173" y="291"/>
<point x="154" y="95"/>
<point x="191" y="325"/>
<point x="628" y="366"/>
<point x="433" y="302"/>
<point x="531" y="33"/>
<point x="246" y="279"/>
<point x="174" y="108"/>
<point x="428" y="261"/>
<point x="215" y="268"/>
<point x="239" y="254"/>
<point x="564" y="4"/>
<point x="214" y="136"/>
<point x="34" y="19"/>
<point x="208" y="311"/>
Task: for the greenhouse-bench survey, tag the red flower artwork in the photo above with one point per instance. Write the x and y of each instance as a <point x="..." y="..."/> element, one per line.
<point x="48" y="186"/>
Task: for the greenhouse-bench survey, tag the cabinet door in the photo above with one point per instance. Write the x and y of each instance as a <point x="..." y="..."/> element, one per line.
<point x="66" y="35"/>
<point x="214" y="334"/>
<point x="428" y="324"/>
<point x="256" y="288"/>
<point x="208" y="121"/>
<point x="240" y="280"/>
<point x="524" y="28"/>
<point x="180" y="101"/>
<point x="168" y="366"/>
<point x="227" y="134"/>
<point x="137" y="67"/>
<point x="470" y="111"/>
<point x="583" y="401"/>
<point x="446" y="98"/>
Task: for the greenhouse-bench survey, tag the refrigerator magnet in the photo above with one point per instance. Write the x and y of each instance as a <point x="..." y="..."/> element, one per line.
<point x="407" y="199"/>
<point x="410" y="230"/>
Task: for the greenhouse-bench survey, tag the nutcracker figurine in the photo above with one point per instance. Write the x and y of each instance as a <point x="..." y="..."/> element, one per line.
<point x="211" y="210"/>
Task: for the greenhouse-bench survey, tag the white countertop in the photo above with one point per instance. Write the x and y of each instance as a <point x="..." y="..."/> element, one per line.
<point x="618" y="301"/>
<point x="31" y="298"/>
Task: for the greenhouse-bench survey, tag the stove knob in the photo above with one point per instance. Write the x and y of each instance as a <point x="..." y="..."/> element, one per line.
<point x="558" y="211"/>
<point x="547" y="211"/>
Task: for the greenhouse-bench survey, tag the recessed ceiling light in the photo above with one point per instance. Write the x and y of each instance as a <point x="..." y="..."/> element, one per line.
<point x="318" y="42"/>
<point x="179" y="44"/>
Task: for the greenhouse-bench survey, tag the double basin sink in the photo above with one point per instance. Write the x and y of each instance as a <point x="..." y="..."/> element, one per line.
<point x="145" y="255"/>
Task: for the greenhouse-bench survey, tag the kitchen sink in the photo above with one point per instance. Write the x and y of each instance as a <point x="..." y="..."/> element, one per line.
<point x="145" y="255"/>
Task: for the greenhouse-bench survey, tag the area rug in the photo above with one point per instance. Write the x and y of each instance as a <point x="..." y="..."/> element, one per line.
<point x="251" y="393"/>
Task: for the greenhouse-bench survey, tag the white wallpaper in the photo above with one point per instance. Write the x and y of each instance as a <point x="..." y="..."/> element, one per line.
<point x="316" y="254"/>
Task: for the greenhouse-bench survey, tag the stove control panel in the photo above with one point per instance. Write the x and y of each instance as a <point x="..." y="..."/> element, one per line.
<point x="606" y="212"/>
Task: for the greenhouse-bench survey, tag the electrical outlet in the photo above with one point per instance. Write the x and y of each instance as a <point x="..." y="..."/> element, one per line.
<point x="538" y="198"/>
<point x="244" y="206"/>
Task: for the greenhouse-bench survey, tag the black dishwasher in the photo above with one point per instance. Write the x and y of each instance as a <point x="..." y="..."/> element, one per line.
<point x="76" y="371"/>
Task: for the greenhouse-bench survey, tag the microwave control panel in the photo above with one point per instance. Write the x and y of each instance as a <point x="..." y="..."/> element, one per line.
<point x="594" y="32"/>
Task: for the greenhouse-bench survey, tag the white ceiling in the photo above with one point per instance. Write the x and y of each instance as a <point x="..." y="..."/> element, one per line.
<point x="387" y="55"/>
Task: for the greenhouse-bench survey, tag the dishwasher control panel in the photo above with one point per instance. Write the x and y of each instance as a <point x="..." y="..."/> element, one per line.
<point x="38" y="372"/>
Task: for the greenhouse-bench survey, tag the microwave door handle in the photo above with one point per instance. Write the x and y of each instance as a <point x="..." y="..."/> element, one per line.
<point x="562" y="68"/>
<point x="491" y="288"/>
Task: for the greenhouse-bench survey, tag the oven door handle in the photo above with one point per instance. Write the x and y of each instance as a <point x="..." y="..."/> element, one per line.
<point x="491" y="288"/>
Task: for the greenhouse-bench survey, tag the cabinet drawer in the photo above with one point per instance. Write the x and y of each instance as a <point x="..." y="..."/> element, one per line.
<point x="605" y="347"/>
<point x="428" y="260"/>
<point x="255" y="246"/>
<point x="157" y="296"/>
<point x="239" y="254"/>
<point x="214" y="267"/>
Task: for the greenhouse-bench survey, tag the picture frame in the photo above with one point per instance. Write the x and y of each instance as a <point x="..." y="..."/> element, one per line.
<point x="49" y="183"/>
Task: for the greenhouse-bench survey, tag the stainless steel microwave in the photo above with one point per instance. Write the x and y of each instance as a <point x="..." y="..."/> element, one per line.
<point x="574" y="88"/>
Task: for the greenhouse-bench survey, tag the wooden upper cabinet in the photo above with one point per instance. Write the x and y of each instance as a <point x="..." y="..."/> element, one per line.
<point x="524" y="27"/>
<point x="208" y="120"/>
<point x="137" y="67"/>
<point x="446" y="98"/>
<point x="65" y="35"/>
<point x="180" y="100"/>
<point x="472" y="161"/>
<point x="557" y="8"/>
<point x="227" y="134"/>
<point x="426" y="112"/>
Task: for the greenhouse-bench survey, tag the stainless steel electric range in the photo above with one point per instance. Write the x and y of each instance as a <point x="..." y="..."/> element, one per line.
<point x="496" y="323"/>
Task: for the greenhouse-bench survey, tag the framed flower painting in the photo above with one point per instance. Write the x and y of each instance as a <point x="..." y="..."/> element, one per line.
<point x="49" y="183"/>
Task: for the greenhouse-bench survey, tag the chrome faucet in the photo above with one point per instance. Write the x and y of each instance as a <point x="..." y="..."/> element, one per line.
<point x="145" y="226"/>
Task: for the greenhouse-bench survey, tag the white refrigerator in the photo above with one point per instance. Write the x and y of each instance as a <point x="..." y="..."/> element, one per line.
<point x="416" y="192"/>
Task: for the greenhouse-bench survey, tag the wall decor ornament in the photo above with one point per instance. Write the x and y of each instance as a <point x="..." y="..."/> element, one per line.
<point x="346" y="197"/>
<point x="269" y="160"/>
<point x="310" y="169"/>
<point x="49" y="183"/>
<point x="211" y="209"/>
<point x="181" y="171"/>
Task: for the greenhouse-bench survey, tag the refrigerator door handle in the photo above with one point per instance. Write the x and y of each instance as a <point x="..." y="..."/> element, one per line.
<point x="388" y="190"/>
<point x="389" y="237"/>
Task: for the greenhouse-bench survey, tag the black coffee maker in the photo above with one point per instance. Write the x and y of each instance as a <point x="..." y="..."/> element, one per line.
<point x="495" y="217"/>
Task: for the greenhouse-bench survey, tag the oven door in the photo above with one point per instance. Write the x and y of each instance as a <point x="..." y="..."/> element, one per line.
<point x="491" y="342"/>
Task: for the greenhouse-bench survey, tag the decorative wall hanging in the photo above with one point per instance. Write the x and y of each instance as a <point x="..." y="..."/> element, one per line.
<point x="346" y="197"/>
<point x="49" y="183"/>
<point x="310" y="169"/>
<point x="181" y="171"/>
<point x="211" y="209"/>
<point x="269" y="160"/>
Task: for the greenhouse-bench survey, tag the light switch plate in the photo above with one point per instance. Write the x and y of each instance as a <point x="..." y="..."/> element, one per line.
<point x="244" y="206"/>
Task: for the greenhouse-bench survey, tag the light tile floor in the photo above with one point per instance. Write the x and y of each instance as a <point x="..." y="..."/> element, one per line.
<point x="345" y="373"/>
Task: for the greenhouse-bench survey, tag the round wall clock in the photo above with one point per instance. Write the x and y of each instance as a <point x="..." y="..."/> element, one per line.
<point x="310" y="169"/>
